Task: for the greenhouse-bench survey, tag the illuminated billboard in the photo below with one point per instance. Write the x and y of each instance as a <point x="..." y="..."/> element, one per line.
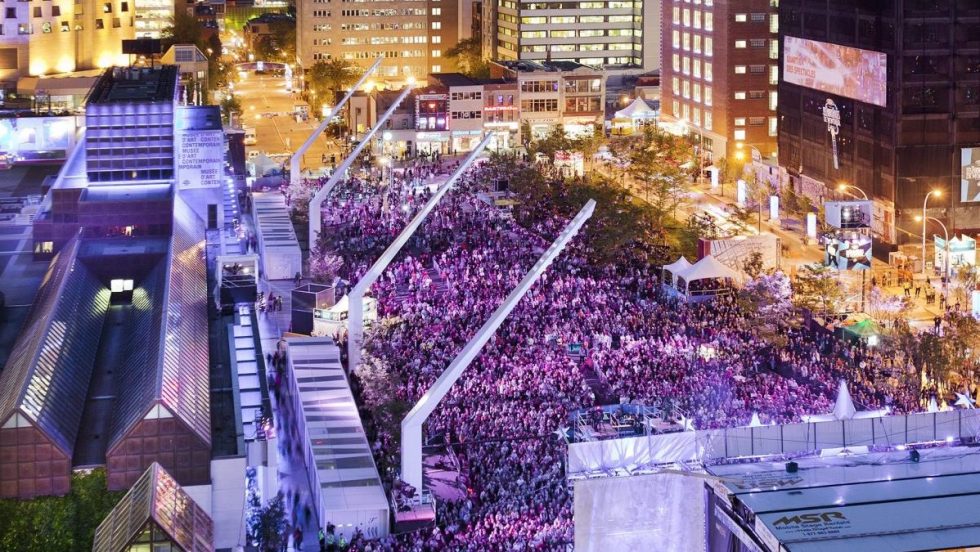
<point x="969" y="174"/>
<point x="850" y="72"/>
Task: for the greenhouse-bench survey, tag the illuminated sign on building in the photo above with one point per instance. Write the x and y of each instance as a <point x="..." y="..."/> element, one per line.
<point x="969" y="174"/>
<point x="850" y="72"/>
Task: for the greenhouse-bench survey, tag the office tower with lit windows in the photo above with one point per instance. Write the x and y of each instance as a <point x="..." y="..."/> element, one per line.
<point x="901" y="116"/>
<point x="620" y="33"/>
<point x="60" y="36"/>
<point x="719" y="75"/>
<point x="411" y="36"/>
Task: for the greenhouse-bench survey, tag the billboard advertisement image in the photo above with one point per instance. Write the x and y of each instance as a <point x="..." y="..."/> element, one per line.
<point x="969" y="174"/>
<point x="850" y="72"/>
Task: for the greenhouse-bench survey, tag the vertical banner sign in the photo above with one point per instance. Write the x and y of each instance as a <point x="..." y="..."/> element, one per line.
<point x="741" y="192"/>
<point x="969" y="174"/>
<point x="773" y="207"/>
<point x="831" y="116"/>
<point x="200" y="158"/>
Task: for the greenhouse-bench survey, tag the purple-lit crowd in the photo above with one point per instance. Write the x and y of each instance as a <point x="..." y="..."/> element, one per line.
<point x="633" y="344"/>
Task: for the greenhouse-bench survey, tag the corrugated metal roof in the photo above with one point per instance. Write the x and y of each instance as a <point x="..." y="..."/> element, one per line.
<point x="156" y="497"/>
<point x="48" y="373"/>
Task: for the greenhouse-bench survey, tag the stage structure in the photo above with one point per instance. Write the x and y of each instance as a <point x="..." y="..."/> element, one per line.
<point x="317" y="202"/>
<point x="294" y="162"/>
<point x="411" y="445"/>
<point x="355" y="316"/>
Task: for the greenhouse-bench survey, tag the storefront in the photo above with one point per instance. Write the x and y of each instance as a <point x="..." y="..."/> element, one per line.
<point x="465" y="140"/>
<point x="429" y="143"/>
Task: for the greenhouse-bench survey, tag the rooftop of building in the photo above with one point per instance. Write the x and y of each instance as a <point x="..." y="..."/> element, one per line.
<point x="527" y="66"/>
<point x="887" y="500"/>
<point x="135" y="84"/>
<point x="271" y="17"/>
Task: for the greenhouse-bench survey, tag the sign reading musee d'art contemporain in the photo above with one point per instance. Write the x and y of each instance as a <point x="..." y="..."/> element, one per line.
<point x="200" y="159"/>
<point x="969" y="174"/>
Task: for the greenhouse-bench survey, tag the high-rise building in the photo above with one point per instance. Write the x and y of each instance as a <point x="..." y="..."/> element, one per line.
<point x="719" y="75"/>
<point x="412" y="36"/>
<point x="884" y="96"/>
<point x="611" y="34"/>
<point x="61" y="36"/>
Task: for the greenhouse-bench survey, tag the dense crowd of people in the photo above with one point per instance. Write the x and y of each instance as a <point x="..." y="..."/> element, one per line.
<point x="705" y="359"/>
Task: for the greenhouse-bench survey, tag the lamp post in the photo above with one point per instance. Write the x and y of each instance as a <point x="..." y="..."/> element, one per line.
<point x="937" y="193"/>
<point x="843" y="186"/>
<point x="946" y="255"/>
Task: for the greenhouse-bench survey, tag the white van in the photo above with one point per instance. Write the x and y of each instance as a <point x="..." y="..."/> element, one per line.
<point x="250" y="139"/>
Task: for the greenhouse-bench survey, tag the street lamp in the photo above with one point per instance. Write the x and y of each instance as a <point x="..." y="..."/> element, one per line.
<point x="946" y="255"/>
<point x="843" y="186"/>
<point x="937" y="193"/>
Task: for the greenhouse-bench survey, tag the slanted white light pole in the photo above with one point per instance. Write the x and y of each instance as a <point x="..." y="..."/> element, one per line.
<point x="411" y="445"/>
<point x="294" y="163"/>
<point x="317" y="201"/>
<point x="355" y="314"/>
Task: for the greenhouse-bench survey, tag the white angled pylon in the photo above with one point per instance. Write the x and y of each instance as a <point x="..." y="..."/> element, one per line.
<point x="294" y="162"/>
<point x="316" y="202"/>
<point x="411" y="441"/>
<point x="355" y="313"/>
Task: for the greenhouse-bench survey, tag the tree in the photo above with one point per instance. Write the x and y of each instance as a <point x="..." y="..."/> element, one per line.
<point x="324" y="265"/>
<point x="767" y="298"/>
<point x="753" y="265"/>
<point x="468" y="58"/>
<point x="556" y="140"/>
<point x="184" y="28"/>
<point x="817" y="289"/>
<point x="267" y="524"/>
<point x="326" y="78"/>
<point x="229" y="104"/>
<point x="885" y="307"/>
<point x="661" y="163"/>
<point x="280" y="43"/>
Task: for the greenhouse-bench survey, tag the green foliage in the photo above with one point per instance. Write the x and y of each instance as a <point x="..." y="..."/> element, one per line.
<point x="661" y="164"/>
<point x="65" y="523"/>
<point x="280" y="44"/>
<point x="267" y="524"/>
<point x="184" y="28"/>
<point x="753" y="265"/>
<point x="230" y="104"/>
<point x="326" y="78"/>
<point x="816" y="288"/>
<point x="468" y="58"/>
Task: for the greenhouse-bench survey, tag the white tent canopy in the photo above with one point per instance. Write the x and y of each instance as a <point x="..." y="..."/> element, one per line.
<point x="844" y="409"/>
<point x="675" y="268"/>
<point x="639" y="109"/>
<point x="707" y="268"/>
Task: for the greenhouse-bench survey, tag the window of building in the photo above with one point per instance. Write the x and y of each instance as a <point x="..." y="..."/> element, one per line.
<point x="675" y="86"/>
<point x="697" y="19"/>
<point x="697" y="44"/>
<point x="740" y="95"/>
<point x="23" y="29"/>
<point x="55" y="11"/>
<point x="757" y="94"/>
<point x="437" y="68"/>
<point x="739" y="134"/>
<point x="773" y="23"/>
<point x="773" y="74"/>
<point x="11" y="13"/>
<point x="124" y="6"/>
<point x="709" y="22"/>
<point x="37" y="11"/>
<point x="675" y="39"/>
<point x="107" y="7"/>
<point x="772" y="126"/>
<point x="758" y="17"/>
<point x="677" y="15"/>
<point x="773" y="100"/>
<point x="675" y="60"/>
<point x="757" y="121"/>
<point x="686" y="112"/>
<point x="676" y="109"/>
<point x="116" y="23"/>
<point x="696" y="92"/>
<point x="436" y="25"/>
<point x="739" y="121"/>
<point x="436" y="11"/>
<point x="741" y="18"/>
<point x="707" y="117"/>
<point x="740" y="44"/>
<point x="687" y="89"/>
<point x="686" y="65"/>
<point x="687" y="17"/>
<point x="773" y="49"/>
<point x="758" y="42"/>
<point x="696" y="117"/>
<point x="65" y="27"/>
<point x="756" y="69"/>
<point x="707" y="95"/>
<point x="436" y="53"/>
<point x="437" y="40"/>
<point x="709" y="46"/>
<point x="739" y="69"/>
<point x="99" y="24"/>
<point x="686" y="44"/>
<point x="707" y="71"/>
